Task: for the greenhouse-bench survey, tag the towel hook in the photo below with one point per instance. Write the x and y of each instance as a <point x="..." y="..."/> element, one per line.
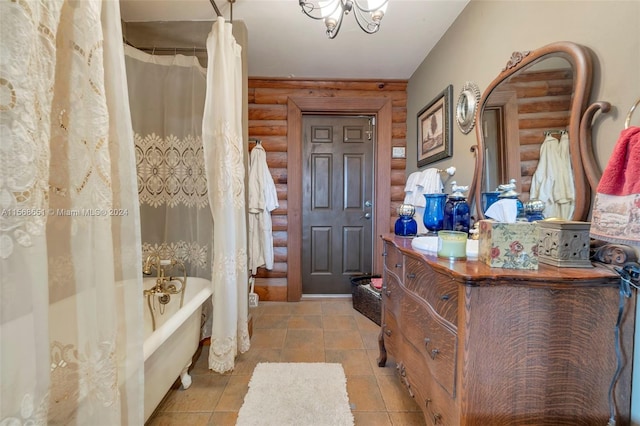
<point x="628" y="120"/>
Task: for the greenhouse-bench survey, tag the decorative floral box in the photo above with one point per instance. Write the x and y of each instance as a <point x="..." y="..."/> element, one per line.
<point x="509" y="245"/>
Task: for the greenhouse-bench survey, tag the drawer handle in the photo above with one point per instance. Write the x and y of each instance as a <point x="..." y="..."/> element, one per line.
<point x="408" y="385"/>
<point x="398" y="265"/>
<point x="445" y="297"/>
<point x="437" y="419"/>
<point x="411" y="276"/>
<point x="427" y="401"/>
<point x="427" y="341"/>
<point x="388" y="293"/>
<point x="387" y="332"/>
<point x="434" y="353"/>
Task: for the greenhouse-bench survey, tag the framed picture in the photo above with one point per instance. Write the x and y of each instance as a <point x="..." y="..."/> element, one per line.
<point x="435" y="129"/>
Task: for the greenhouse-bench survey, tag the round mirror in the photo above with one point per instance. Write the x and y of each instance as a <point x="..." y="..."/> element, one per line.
<point x="528" y="119"/>
<point x="466" y="106"/>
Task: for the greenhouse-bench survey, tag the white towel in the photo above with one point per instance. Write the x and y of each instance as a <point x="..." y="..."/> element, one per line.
<point x="410" y="188"/>
<point x="429" y="182"/>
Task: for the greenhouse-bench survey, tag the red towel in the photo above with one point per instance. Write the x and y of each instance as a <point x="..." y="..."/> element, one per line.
<point x="616" y="210"/>
<point x="622" y="174"/>
<point x="376" y="283"/>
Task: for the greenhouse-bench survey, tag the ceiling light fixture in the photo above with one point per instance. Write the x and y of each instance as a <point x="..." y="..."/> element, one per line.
<point x="368" y="13"/>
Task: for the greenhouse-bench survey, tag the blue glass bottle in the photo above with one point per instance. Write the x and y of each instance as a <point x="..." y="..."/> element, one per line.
<point x="534" y="209"/>
<point x="406" y="225"/>
<point x="434" y="212"/>
<point x="456" y="210"/>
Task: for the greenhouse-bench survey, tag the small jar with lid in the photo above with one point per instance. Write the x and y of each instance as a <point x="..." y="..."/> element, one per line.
<point x="508" y="191"/>
<point x="533" y="210"/>
<point x="456" y="210"/>
<point x="406" y="225"/>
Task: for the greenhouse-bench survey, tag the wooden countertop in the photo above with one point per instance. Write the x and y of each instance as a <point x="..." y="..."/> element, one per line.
<point x="475" y="273"/>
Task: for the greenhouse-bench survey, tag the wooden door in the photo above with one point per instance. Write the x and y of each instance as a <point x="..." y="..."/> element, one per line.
<point x="337" y="202"/>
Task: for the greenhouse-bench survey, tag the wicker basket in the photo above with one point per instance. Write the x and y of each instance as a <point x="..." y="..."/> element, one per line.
<point x="366" y="299"/>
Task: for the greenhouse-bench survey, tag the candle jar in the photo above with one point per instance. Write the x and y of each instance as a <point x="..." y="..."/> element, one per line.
<point x="433" y="217"/>
<point x="452" y="245"/>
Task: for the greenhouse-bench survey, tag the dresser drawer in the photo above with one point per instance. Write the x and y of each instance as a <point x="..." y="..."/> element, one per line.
<point x="438" y="406"/>
<point x="436" y="343"/>
<point x="392" y="292"/>
<point x="391" y="333"/>
<point x="436" y="289"/>
<point x="393" y="260"/>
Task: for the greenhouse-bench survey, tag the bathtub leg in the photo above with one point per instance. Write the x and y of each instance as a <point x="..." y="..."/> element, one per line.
<point x="185" y="378"/>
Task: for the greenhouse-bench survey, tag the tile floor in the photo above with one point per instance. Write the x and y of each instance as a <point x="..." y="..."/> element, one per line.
<point x="327" y="330"/>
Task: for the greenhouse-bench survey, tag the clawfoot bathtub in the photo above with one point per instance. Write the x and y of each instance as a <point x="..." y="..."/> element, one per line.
<point x="169" y="348"/>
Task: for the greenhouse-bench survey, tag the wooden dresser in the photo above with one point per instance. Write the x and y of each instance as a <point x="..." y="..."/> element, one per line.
<point x="485" y="346"/>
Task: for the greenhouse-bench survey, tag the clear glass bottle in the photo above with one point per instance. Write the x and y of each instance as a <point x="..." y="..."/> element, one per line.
<point x="456" y="210"/>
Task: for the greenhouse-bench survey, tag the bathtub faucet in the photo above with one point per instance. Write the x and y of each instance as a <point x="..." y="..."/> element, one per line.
<point x="165" y="284"/>
<point x="151" y="261"/>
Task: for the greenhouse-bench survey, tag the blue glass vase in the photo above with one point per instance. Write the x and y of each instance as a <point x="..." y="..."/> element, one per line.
<point x="406" y="225"/>
<point x="434" y="212"/>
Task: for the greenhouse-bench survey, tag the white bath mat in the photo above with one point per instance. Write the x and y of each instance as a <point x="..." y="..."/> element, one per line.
<point x="310" y="394"/>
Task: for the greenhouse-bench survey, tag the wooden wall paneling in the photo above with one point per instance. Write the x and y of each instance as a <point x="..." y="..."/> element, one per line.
<point x="275" y="117"/>
<point x="294" y="215"/>
<point x="539" y="105"/>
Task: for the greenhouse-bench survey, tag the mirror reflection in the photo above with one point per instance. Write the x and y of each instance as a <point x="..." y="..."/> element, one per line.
<point x="525" y="124"/>
<point x="528" y="130"/>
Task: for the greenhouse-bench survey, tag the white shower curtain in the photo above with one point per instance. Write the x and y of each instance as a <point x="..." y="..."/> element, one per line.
<point x="70" y="293"/>
<point x="167" y="102"/>
<point x="224" y="149"/>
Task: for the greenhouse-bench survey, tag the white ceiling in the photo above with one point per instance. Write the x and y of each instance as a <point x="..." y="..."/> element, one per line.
<point x="283" y="42"/>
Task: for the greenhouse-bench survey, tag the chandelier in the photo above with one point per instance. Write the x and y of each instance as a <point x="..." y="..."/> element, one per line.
<point x="368" y="13"/>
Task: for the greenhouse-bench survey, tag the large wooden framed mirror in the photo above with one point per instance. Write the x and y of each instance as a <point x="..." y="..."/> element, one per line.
<point x="539" y="93"/>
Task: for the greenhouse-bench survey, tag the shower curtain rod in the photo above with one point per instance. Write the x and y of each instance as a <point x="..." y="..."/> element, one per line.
<point x="215" y="7"/>
<point x="168" y="49"/>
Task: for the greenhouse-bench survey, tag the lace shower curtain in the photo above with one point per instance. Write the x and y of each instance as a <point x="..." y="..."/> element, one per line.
<point x="167" y="102"/>
<point x="70" y="294"/>
<point x="223" y="154"/>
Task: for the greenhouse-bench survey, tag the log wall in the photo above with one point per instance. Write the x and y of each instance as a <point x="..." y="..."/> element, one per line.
<point x="543" y="103"/>
<point x="268" y="100"/>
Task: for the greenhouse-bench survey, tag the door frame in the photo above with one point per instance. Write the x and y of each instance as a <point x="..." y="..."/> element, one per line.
<point x="381" y="108"/>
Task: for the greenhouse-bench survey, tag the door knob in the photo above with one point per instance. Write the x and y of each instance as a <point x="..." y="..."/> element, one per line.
<point x="368" y="203"/>
<point x="367" y="215"/>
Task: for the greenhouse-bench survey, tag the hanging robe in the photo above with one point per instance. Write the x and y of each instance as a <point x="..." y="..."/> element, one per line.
<point x="263" y="199"/>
